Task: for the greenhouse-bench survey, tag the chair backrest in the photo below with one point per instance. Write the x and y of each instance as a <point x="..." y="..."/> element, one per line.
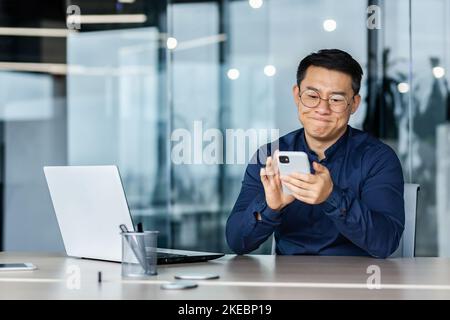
<point x="407" y="244"/>
<point x="274" y="245"/>
<point x="408" y="240"/>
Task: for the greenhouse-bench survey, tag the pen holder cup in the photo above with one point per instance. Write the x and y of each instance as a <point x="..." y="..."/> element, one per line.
<point x="139" y="255"/>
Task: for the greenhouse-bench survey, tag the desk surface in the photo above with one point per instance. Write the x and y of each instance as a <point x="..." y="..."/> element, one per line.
<point x="241" y="277"/>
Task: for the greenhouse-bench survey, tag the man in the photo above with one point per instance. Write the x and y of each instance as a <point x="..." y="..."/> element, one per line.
<point x="351" y="203"/>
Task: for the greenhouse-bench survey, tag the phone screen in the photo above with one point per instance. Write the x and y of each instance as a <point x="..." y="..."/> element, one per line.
<point x="13" y="265"/>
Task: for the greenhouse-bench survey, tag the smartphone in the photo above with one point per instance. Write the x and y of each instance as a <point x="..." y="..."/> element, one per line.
<point x="17" y="266"/>
<point x="292" y="161"/>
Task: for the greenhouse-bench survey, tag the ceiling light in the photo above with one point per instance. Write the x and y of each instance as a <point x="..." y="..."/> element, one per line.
<point x="270" y="70"/>
<point x="106" y="18"/>
<point x="255" y="4"/>
<point x="438" y="72"/>
<point x="403" y="87"/>
<point x="171" y="43"/>
<point x="329" y="25"/>
<point x="233" y="74"/>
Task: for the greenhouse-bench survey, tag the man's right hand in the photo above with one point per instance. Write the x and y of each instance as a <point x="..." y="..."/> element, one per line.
<point x="270" y="178"/>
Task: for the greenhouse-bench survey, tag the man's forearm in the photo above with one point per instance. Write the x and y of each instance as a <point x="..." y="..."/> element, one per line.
<point x="376" y="231"/>
<point x="245" y="232"/>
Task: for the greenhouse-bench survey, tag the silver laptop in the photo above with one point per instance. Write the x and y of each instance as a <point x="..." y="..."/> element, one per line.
<point x="90" y="204"/>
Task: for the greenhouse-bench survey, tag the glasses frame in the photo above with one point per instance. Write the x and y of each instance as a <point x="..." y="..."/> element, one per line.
<point x="328" y="100"/>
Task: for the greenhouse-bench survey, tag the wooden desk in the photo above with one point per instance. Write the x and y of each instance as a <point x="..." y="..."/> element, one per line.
<point x="241" y="277"/>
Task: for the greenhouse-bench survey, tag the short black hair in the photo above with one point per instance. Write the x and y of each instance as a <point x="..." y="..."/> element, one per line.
<point x="333" y="59"/>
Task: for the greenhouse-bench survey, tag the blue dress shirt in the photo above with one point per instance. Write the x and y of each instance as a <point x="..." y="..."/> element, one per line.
<point x="364" y="214"/>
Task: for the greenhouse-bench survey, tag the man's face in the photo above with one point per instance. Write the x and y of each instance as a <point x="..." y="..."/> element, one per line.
<point x="322" y="123"/>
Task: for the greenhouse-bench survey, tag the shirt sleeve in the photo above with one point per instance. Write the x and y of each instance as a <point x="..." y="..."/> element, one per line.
<point x="244" y="233"/>
<point x="373" y="220"/>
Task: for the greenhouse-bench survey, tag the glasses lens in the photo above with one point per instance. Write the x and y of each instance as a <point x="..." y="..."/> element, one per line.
<point x="338" y="103"/>
<point x="310" y="98"/>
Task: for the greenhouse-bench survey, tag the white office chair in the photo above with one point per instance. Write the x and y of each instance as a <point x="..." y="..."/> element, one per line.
<point x="408" y="240"/>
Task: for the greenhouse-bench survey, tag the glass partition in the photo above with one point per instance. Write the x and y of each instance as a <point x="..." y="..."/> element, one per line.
<point x="181" y="93"/>
<point x="233" y="70"/>
<point x="117" y="114"/>
<point x="430" y="124"/>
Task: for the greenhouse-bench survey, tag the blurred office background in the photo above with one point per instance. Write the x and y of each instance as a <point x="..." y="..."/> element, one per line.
<point x="113" y="91"/>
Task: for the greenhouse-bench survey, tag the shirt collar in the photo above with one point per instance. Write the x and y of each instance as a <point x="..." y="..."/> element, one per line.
<point x="331" y="151"/>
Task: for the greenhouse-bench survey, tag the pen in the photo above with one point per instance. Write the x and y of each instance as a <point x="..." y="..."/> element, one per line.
<point x="141" y="242"/>
<point x="137" y="249"/>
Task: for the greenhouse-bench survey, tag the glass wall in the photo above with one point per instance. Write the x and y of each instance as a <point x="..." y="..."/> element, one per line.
<point x="233" y="70"/>
<point x="430" y="126"/>
<point x="117" y="110"/>
<point x="175" y="91"/>
<point x="113" y="115"/>
<point x="32" y="121"/>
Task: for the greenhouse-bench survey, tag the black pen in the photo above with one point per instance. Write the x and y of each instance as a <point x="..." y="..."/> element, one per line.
<point x="123" y="228"/>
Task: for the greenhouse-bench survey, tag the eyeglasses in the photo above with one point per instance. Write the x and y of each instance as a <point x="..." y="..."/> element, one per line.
<point x="337" y="102"/>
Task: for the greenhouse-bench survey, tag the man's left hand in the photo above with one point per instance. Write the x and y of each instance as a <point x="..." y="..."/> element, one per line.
<point x="310" y="188"/>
